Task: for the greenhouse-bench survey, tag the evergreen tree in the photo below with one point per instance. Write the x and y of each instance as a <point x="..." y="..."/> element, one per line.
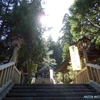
<point x="22" y="17"/>
<point x="84" y="19"/>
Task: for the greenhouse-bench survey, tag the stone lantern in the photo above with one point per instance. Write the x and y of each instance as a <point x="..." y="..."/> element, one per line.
<point x="83" y="44"/>
<point x="16" y="41"/>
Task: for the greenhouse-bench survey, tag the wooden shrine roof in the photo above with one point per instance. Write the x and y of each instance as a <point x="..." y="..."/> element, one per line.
<point x="46" y="68"/>
<point x="63" y="66"/>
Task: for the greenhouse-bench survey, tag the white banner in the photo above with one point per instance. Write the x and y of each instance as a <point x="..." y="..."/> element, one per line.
<point x="75" y="59"/>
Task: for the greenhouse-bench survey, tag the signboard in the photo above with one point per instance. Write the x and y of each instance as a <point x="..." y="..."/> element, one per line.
<point x="75" y="59"/>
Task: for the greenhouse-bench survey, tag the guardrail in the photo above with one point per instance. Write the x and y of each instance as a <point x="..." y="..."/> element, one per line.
<point x="8" y="74"/>
<point x="90" y="72"/>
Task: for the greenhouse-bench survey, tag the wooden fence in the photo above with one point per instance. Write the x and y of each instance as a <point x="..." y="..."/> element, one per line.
<point x="90" y="72"/>
<point x="8" y="73"/>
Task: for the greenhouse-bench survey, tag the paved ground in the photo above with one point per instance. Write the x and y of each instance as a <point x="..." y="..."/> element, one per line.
<point x="43" y="81"/>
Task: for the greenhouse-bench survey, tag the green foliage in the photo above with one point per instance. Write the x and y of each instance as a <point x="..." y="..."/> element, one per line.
<point x="98" y="61"/>
<point x="65" y="53"/>
<point x="69" y="76"/>
<point x="67" y="38"/>
<point x="59" y="77"/>
<point x="83" y="64"/>
<point x="48" y="60"/>
<point x="32" y="67"/>
<point x="66" y="41"/>
<point x="55" y="47"/>
<point x="28" y="25"/>
<point x="84" y="18"/>
<point x="98" y="42"/>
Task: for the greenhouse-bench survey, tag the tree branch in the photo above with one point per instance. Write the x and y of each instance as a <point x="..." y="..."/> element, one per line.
<point x="95" y="25"/>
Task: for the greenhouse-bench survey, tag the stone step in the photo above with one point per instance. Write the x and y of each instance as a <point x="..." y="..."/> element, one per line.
<point x="53" y="86"/>
<point x="52" y="98"/>
<point x="52" y="92"/>
<point x="49" y="90"/>
<point x="66" y="94"/>
<point x="84" y="85"/>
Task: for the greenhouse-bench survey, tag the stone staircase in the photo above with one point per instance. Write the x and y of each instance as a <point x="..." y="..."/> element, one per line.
<point x="52" y="92"/>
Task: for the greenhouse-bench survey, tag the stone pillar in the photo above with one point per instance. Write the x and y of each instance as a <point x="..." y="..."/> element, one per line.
<point x="14" y="56"/>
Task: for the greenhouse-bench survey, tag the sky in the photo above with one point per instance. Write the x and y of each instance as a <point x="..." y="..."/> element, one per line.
<point x="55" y="10"/>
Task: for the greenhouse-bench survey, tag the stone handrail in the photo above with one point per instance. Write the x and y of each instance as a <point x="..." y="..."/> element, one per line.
<point x="8" y="74"/>
<point x="90" y="72"/>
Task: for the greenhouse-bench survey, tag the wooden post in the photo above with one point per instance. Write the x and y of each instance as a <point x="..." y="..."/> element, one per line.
<point x="63" y="78"/>
<point x="98" y="73"/>
<point x="85" y="56"/>
<point x="1" y="77"/>
<point x="86" y="61"/>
